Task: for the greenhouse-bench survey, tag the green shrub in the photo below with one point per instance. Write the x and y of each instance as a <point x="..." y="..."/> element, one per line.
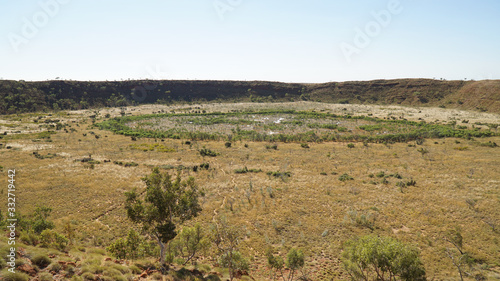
<point x="304" y="145"/>
<point x="362" y="219"/>
<point x="345" y="177"/>
<point x="294" y="261"/>
<point x="279" y="174"/>
<point x="41" y="261"/>
<point x="70" y="271"/>
<point x="207" y="152"/>
<point x="29" y="238"/>
<point x="489" y="144"/>
<point x="88" y="276"/>
<point x="132" y="247"/>
<point x="18" y="276"/>
<point x="276" y="263"/>
<point x="350" y="145"/>
<point x="121" y="268"/>
<point x="246" y="170"/>
<point x="228" y="144"/>
<point x="235" y="260"/>
<point x="135" y="270"/>
<point x="273" y="146"/>
<point x="45" y="276"/>
<point x="113" y="273"/>
<point x="56" y="267"/>
<point x="370" y="256"/>
<point x="39" y="223"/>
<point x="50" y="238"/>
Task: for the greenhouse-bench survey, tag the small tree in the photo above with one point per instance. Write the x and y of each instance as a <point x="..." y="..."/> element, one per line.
<point x="226" y="239"/>
<point x="294" y="261"/>
<point x="460" y="259"/>
<point x="190" y="241"/>
<point x="276" y="263"/>
<point x="127" y="248"/>
<point x="381" y="258"/>
<point x="39" y="222"/>
<point x="165" y="204"/>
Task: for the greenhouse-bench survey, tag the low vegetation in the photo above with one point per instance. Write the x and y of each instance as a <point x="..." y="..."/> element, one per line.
<point x="293" y="197"/>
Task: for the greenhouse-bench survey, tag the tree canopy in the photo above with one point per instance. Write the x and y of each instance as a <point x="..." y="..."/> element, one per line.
<point x="164" y="204"/>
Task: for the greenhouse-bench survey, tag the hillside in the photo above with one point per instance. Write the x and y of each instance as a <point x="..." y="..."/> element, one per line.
<point x="21" y="96"/>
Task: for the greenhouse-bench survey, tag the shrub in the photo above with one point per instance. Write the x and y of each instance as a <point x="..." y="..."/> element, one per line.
<point x="246" y="170"/>
<point x="50" y="238"/>
<point x="350" y="145"/>
<point x="15" y="276"/>
<point x="29" y="238"/>
<point x="207" y="152"/>
<point x="368" y="257"/>
<point x="235" y="260"/>
<point x="56" y="267"/>
<point x="88" y="276"/>
<point x="294" y="261"/>
<point x="131" y="247"/>
<point x="41" y="261"/>
<point x="345" y="177"/>
<point x="304" y="145"/>
<point x="361" y="219"/>
<point x="276" y="263"/>
<point x="279" y="174"/>
<point x="489" y="144"/>
<point x="228" y="144"/>
<point x="135" y="270"/>
<point x="40" y="222"/>
<point x="273" y="146"/>
<point x="45" y="276"/>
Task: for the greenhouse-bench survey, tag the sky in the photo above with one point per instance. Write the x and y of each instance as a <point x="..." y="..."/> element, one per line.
<point x="312" y="41"/>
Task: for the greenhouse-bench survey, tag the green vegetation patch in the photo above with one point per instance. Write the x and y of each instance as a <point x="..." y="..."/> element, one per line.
<point x="282" y="126"/>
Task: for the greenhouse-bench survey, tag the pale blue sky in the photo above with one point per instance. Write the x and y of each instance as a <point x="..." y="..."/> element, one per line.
<point x="275" y="40"/>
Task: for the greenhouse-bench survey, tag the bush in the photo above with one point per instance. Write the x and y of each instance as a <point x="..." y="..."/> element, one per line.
<point x="135" y="270"/>
<point x="29" y="238"/>
<point x="350" y="145"/>
<point x="88" y="276"/>
<point x="207" y="152"/>
<point x="235" y="260"/>
<point x="294" y="261"/>
<point x="345" y="177"/>
<point x="127" y="248"/>
<point x="228" y="144"/>
<point x="361" y="219"/>
<point x="50" y="238"/>
<point x="56" y="267"/>
<point x="273" y="146"/>
<point x="41" y="261"/>
<point x="279" y="174"/>
<point x="370" y="256"/>
<point x="45" y="276"/>
<point x="8" y="276"/>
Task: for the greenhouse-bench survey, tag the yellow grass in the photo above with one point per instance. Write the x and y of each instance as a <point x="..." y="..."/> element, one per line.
<point x="309" y="210"/>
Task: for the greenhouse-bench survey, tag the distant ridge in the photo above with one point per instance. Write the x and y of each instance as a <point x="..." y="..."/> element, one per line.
<point x="21" y="96"/>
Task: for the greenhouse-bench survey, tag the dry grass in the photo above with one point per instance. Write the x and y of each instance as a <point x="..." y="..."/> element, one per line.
<point x="309" y="210"/>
